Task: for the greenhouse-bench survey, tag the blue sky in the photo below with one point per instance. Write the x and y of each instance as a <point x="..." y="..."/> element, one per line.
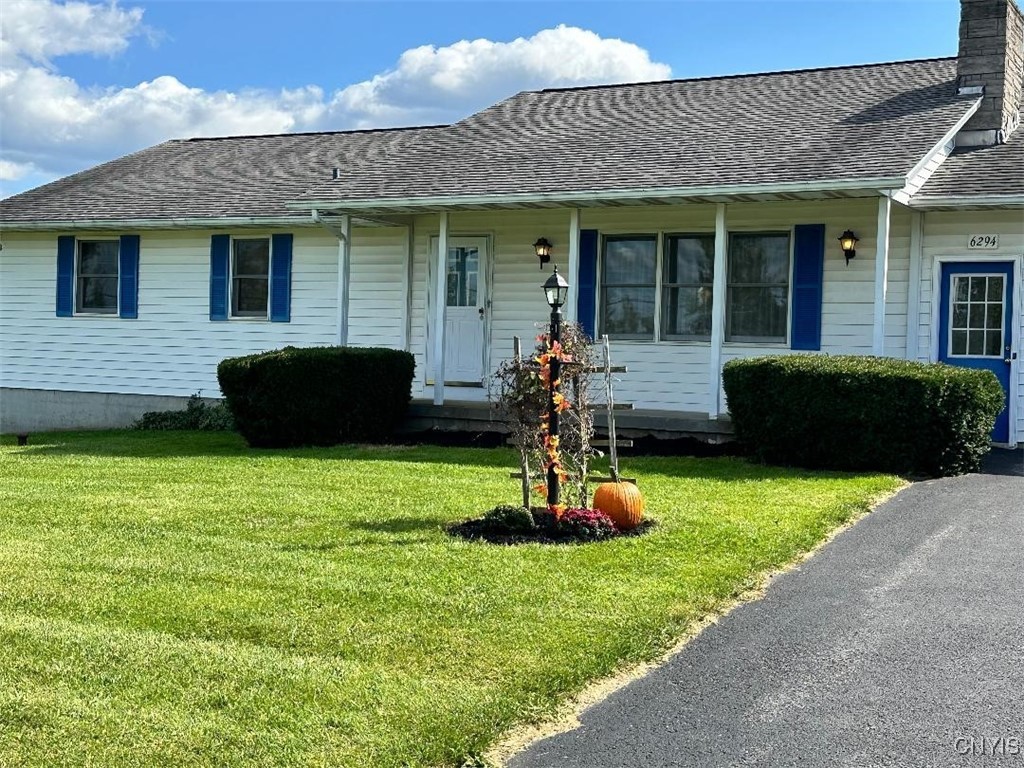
<point x="85" y="82"/>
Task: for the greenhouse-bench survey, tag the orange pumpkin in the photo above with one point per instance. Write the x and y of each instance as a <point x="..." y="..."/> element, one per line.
<point x="622" y="502"/>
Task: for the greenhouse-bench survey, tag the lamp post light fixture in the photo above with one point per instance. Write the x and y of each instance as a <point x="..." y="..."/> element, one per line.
<point x="556" y="289"/>
<point x="543" y="250"/>
<point x="848" y="242"/>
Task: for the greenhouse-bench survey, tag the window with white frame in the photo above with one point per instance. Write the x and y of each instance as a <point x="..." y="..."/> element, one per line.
<point x="686" y="288"/>
<point x="757" y="302"/>
<point x="250" y="277"/>
<point x="96" y="277"/>
<point x="628" y="286"/>
<point x="635" y="269"/>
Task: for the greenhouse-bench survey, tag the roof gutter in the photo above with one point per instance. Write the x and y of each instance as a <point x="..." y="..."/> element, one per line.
<point x="967" y="201"/>
<point x="176" y="223"/>
<point x="870" y="186"/>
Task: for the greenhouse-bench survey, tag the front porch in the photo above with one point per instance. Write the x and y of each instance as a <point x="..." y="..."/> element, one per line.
<point x="478" y="417"/>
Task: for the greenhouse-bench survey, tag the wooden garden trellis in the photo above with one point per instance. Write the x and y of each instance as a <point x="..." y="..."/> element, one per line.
<point x="609" y="405"/>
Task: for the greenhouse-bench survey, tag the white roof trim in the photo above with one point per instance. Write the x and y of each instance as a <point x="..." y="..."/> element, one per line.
<point x="967" y="201"/>
<point x="919" y="174"/>
<point x="866" y="185"/>
<point x="177" y="223"/>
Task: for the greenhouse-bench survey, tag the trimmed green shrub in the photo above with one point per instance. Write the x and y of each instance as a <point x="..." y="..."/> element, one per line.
<point x="317" y="395"/>
<point x="507" y="518"/>
<point x="198" y="415"/>
<point x="863" y="413"/>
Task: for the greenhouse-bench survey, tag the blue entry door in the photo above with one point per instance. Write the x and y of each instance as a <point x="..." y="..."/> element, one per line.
<point x="975" y="328"/>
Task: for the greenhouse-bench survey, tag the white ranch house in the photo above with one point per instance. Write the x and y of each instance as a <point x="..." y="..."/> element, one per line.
<point x="697" y="221"/>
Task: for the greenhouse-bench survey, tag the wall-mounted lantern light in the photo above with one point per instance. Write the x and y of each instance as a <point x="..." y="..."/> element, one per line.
<point x="848" y="242"/>
<point x="543" y="249"/>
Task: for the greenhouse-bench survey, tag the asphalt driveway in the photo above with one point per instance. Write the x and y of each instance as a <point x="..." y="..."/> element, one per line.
<point x="901" y="643"/>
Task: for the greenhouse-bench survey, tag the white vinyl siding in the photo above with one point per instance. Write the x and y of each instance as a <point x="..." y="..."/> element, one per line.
<point x="945" y="236"/>
<point x="172" y="348"/>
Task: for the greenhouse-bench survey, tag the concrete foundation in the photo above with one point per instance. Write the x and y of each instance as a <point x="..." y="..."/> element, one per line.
<point x="47" y="410"/>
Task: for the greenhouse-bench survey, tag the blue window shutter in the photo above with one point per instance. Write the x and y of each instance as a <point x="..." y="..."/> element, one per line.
<point x="65" y="276"/>
<point x="808" y="276"/>
<point x="280" y="278"/>
<point x="586" y="292"/>
<point x="129" y="276"/>
<point x="220" y="246"/>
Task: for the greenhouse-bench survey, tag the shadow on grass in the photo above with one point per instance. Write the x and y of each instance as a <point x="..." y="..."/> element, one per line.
<point x="398" y="525"/>
<point x="169" y="444"/>
<point x="172" y="445"/>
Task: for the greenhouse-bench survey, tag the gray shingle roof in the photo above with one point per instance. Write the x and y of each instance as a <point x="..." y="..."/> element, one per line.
<point x="809" y="126"/>
<point x="239" y="176"/>
<point x="859" y="122"/>
<point x="979" y="172"/>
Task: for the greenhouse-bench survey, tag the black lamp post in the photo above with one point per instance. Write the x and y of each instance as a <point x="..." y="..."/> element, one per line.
<point x="555" y="291"/>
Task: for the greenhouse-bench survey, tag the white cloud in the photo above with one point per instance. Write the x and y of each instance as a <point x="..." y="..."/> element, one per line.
<point x="442" y="84"/>
<point x="13" y="171"/>
<point x="55" y="125"/>
<point x="38" y="30"/>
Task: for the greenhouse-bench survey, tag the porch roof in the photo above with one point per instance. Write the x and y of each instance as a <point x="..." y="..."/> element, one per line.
<point x="837" y="132"/>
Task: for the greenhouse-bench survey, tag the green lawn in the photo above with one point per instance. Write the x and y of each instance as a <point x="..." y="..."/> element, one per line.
<point x="179" y="599"/>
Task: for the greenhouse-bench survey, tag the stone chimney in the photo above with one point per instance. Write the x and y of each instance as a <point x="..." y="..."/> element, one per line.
<point x="990" y="63"/>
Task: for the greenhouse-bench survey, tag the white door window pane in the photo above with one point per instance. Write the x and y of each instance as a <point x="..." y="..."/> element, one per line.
<point x="993" y="343"/>
<point x="463" y="277"/>
<point x="959" y="343"/>
<point x="977" y="316"/>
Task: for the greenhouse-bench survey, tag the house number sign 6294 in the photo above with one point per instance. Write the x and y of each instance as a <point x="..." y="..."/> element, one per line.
<point x="983" y="242"/>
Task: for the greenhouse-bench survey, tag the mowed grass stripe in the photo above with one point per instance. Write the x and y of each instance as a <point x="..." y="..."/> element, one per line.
<point x="177" y="598"/>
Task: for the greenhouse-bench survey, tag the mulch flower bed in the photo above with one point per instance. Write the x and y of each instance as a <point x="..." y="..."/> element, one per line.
<point x="514" y="525"/>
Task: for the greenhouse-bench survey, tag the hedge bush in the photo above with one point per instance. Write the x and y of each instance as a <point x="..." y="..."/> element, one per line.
<point x="317" y="395"/>
<point x="863" y="413"/>
<point x="198" y="415"/>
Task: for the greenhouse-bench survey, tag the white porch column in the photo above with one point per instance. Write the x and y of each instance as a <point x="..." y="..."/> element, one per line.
<point x="914" y="286"/>
<point x="344" y="271"/>
<point x="717" y="315"/>
<point x="881" y="274"/>
<point x="440" y="299"/>
<point x="407" y="287"/>
<point x="573" y="267"/>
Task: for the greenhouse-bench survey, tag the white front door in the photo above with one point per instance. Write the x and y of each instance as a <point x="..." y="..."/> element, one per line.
<point x="465" y="311"/>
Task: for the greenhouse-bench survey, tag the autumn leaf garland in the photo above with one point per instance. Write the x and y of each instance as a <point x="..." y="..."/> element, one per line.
<point x="553" y="458"/>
